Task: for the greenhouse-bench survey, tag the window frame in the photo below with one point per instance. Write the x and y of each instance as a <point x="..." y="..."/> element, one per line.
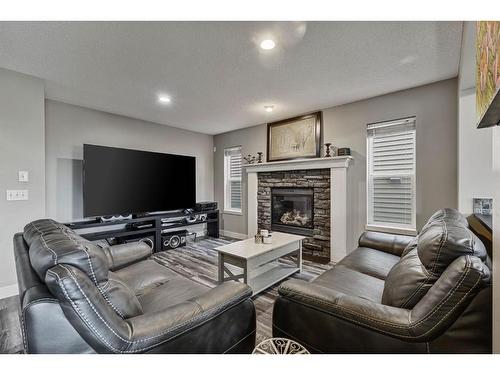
<point x="380" y="226"/>
<point x="228" y="209"/>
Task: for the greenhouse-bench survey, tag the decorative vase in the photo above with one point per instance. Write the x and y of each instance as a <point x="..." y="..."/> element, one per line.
<point x="259" y="157"/>
<point x="327" y="150"/>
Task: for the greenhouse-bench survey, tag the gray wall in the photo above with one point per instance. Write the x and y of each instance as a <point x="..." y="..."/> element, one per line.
<point x="251" y="140"/>
<point x="475" y="155"/>
<point x="434" y="105"/>
<point x="21" y="148"/>
<point x="496" y="239"/>
<point x="475" y="146"/>
<point x="68" y="127"/>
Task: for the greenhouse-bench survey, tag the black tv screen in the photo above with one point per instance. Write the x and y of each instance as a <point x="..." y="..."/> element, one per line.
<point x="119" y="181"/>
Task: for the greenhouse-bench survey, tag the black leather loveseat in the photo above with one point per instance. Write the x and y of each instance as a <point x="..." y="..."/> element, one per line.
<point x="77" y="297"/>
<point x="396" y="294"/>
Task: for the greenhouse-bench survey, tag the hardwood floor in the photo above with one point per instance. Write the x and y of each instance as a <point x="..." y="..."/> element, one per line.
<point x="197" y="261"/>
<point x="10" y="331"/>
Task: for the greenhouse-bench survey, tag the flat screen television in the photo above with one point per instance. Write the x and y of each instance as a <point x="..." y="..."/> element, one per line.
<point x="119" y="181"/>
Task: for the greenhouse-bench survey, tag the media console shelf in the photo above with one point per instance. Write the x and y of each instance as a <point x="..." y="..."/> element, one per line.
<point x="93" y="229"/>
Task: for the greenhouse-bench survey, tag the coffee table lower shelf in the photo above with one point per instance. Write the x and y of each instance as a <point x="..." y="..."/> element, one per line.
<point x="262" y="277"/>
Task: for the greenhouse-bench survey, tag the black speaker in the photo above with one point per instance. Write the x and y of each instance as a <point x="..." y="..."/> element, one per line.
<point x="150" y="240"/>
<point x="173" y="240"/>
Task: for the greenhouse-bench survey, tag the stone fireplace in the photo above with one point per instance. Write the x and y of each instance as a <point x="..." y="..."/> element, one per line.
<point x="297" y="202"/>
<point x="292" y="210"/>
<point x="279" y="199"/>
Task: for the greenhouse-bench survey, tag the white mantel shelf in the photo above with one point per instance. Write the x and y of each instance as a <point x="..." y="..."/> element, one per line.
<point x="293" y="165"/>
<point x="338" y="166"/>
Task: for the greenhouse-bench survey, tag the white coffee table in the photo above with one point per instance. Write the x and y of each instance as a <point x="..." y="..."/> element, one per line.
<point x="257" y="264"/>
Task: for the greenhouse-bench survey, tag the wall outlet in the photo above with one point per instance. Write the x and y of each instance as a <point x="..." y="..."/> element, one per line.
<point x="17" y="195"/>
<point x="23" y="176"/>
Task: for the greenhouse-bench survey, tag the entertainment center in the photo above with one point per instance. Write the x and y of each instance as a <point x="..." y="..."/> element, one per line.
<point x="133" y="195"/>
<point x="156" y="222"/>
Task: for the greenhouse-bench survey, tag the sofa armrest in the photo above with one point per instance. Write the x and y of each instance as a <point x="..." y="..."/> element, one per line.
<point x="386" y="242"/>
<point x="122" y="255"/>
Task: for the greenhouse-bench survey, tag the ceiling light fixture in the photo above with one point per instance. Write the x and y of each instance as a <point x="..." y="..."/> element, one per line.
<point x="164" y="99"/>
<point x="268" y="108"/>
<point x="267" y="44"/>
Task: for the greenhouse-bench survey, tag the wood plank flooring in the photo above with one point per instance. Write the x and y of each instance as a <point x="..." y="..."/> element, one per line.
<point x="10" y="330"/>
<point x="197" y="261"/>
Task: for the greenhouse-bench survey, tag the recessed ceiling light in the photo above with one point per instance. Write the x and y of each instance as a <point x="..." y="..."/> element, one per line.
<point x="269" y="108"/>
<point x="164" y="99"/>
<point x="267" y="44"/>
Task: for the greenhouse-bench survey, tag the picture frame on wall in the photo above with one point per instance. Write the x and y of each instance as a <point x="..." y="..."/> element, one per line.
<point x="295" y="138"/>
<point x="488" y="73"/>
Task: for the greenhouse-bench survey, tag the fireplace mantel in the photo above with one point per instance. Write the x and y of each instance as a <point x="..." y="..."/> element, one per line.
<point x="338" y="166"/>
<point x="293" y="165"/>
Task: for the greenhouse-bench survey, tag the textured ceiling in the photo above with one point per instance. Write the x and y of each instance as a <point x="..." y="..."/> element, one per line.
<point x="218" y="77"/>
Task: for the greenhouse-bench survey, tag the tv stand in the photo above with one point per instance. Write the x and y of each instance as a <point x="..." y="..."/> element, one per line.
<point x="96" y="230"/>
<point x="104" y="219"/>
<point x="139" y="216"/>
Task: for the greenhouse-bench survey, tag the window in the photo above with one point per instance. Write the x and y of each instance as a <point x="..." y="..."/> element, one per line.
<point x="232" y="179"/>
<point x="391" y="176"/>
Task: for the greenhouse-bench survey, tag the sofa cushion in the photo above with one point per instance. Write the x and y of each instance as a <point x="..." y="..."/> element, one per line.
<point x="346" y="280"/>
<point x="370" y="262"/>
<point x="449" y="214"/>
<point x="36" y="228"/>
<point x="145" y="275"/>
<point x="59" y="245"/>
<point x="412" y="245"/>
<point x="444" y="238"/>
<point x="120" y="297"/>
<point x="174" y="291"/>
<point x="158" y="287"/>
<point x="407" y="282"/>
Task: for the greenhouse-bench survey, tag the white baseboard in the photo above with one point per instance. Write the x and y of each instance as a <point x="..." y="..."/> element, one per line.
<point x="239" y="236"/>
<point x="8" y="291"/>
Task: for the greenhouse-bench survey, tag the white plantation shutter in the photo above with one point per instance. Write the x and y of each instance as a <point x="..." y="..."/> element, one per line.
<point x="391" y="175"/>
<point x="232" y="179"/>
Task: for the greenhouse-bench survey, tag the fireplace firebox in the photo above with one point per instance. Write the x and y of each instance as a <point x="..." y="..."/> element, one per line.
<point x="292" y="210"/>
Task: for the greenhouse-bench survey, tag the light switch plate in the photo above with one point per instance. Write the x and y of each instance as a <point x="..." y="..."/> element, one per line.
<point x="23" y="176"/>
<point x="17" y="195"/>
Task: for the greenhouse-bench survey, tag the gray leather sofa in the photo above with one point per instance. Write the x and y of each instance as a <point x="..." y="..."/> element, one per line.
<point x="77" y="297"/>
<point x="396" y="294"/>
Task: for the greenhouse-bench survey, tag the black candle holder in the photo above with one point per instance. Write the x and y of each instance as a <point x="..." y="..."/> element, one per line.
<point x="327" y="150"/>
<point x="259" y="157"/>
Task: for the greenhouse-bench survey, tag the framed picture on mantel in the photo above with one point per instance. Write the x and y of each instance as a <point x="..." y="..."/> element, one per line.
<point x="295" y="138"/>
